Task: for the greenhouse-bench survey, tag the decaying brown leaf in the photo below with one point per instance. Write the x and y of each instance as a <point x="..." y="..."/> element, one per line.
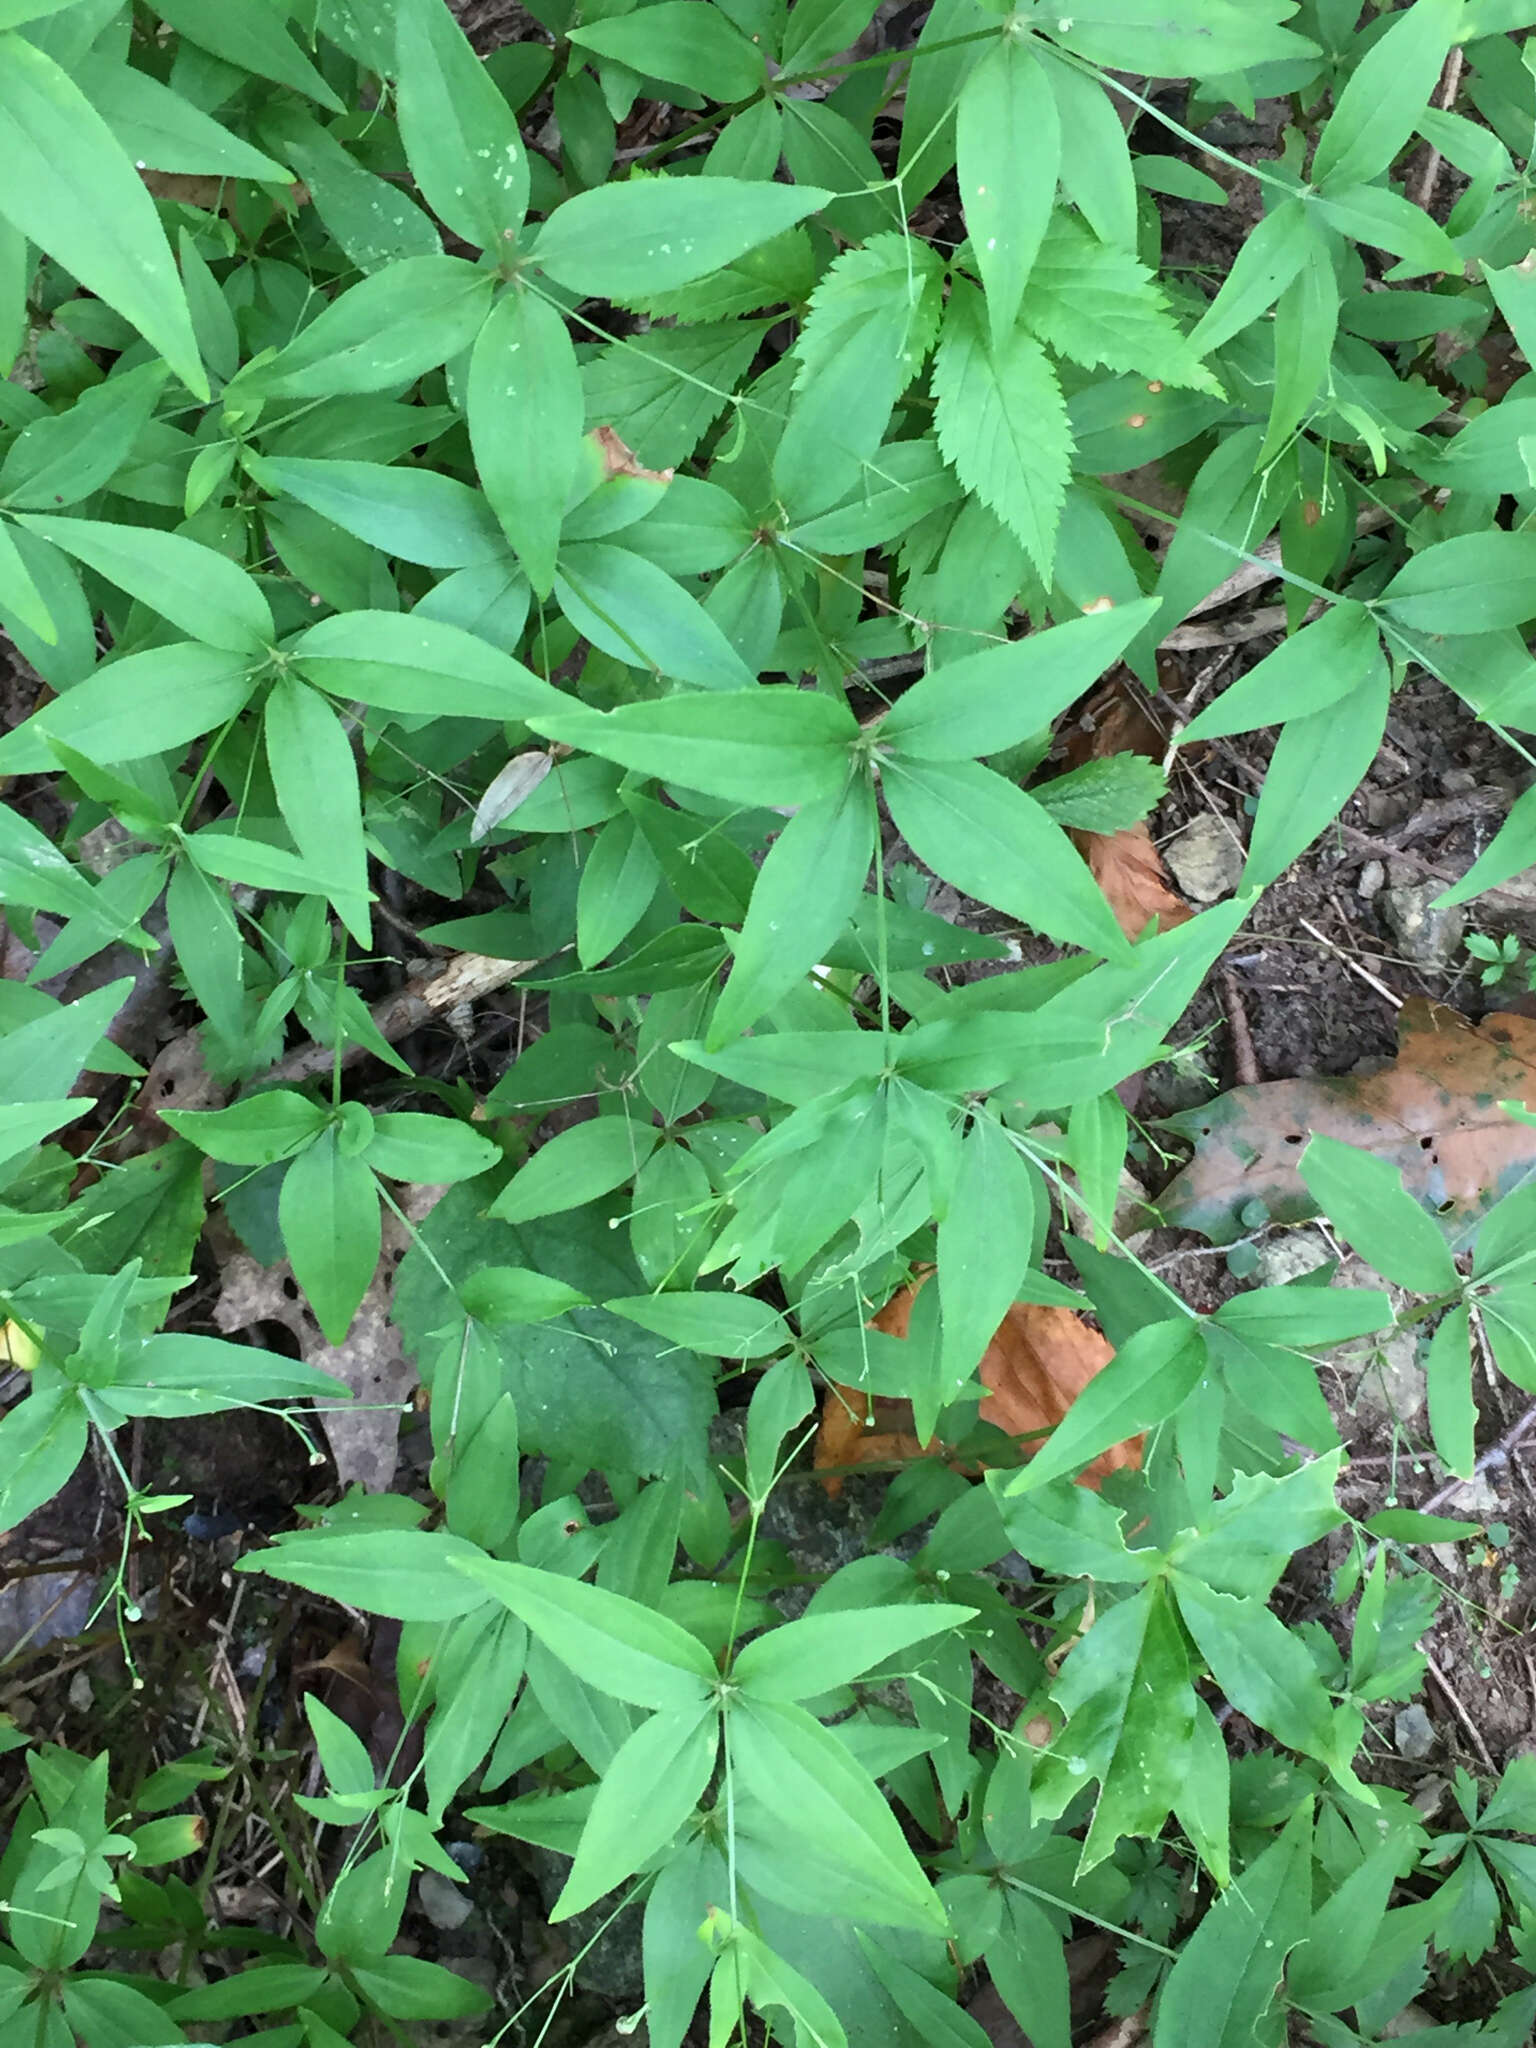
<point x="1036" y="1366"/>
<point x="619" y="459"/>
<point x="364" y="1435"/>
<point x="1129" y="869"/>
<point x="1434" y="1112"/>
<point x="1126" y="865"/>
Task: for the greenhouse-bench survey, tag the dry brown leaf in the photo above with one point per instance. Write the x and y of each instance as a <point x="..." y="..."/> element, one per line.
<point x="1036" y="1366"/>
<point x="1434" y="1113"/>
<point x="1129" y="869"/>
<point x="619" y="459"/>
<point x="1126" y="865"/>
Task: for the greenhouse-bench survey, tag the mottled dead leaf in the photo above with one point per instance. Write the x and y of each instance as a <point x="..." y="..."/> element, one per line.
<point x="1434" y="1113"/>
<point x="1036" y="1366"/>
<point x="363" y="1437"/>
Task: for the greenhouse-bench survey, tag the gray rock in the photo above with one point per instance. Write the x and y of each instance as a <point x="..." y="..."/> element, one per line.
<point x="1372" y="879"/>
<point x="1206" y="860"/>
<point x="1426" y="936"/>
<point x="445" y="1904"/>
<point x="1389" y="1378"/>
<point x="1414" y="1733"/>
<point x="40" y="1609"/>
<point x="1287" y="1257"/>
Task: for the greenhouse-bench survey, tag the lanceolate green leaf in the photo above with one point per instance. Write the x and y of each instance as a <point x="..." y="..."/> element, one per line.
<point x="803" y="898"/>
<point x="626" y="241"/>
<point x="525" y="421"/>
<point x="460" y="135"/>
<point x="681" y="42"/>
<point x="419" y="666"/>
<point x="821" y="1651"/>
<point x="992" y="840"/>
<point x="150" y="703"/>
<point x="1008" y="151"/>
<point x="329" y="1212"/>
<point x="70" y="187"/>
<point x="983" y="703"/>
<point x="1221" y="1991"/>
<point x="986" y="1241"/>
<point x="315" y="778"/>
<point x="647" y="1792"/>
<point x="768" y="746"/>
<point x="1144" y="1384"/>
<point x="418" y="515"/>
<point x="800" y="1771"/>
<point x="203" y="592"/>
<point x="611" y="1643"/>
<point x="1318" y="762"/>
<point x="1387" y="91"/>
<point x="386" y="330"/>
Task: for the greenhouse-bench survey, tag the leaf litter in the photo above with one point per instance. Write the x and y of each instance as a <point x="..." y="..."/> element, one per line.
<point x="1038" y="1362"/>
<point x="1434" y="1112"/>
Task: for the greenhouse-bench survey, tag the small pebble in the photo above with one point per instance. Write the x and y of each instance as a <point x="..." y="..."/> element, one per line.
<point x="1373" y="878"/>
<point x="445" y="1904"/>
<point x="1414" y="1733"/>
<point x="1206" y="860"/>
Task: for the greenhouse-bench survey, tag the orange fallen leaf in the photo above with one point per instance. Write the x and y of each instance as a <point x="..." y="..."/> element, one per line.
<point x="1434" y="1113"/>
<point x="1129" y="869"/>
<point x="1126" y="865"/>
<point x="1037" y="1364"/>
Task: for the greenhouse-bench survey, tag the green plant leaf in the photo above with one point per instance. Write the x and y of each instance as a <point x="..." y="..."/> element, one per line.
<point x="983" y="703"/>
<point x="1008" y="148"/>
<point x="994" y="842"/>
<point x="419" y="666"/>
<point x="1379" y="108"/>
<point x="430" y="1149"/>
<point x="726" y="1325"/>
<point x="822" y="1651"/>
<point x="461" y="138"/>
<point x="255" y="1132"/>
<point x="767" y="746"/>
<point x="1265" y="1671"/>
<point x="1002" y="425"/>
<point x="1472" y="583"/>
<point x="626" y="241"/>
<point x="647" y="1792"/>
<point x="251" y="37"/>
<point x="802" y="900"/>
<point x="614" y="1644"/>
<point x="1071" y="1531"/>
<point x="418" y="515"/>
<point x="1221" y="1992"/>
<point x="385" y="331"/>
<point x="1318" y="762"/>
<point x="681" y="42"/>
<point x="801" y="1773"/>
<point x="203" y="592"/>
<point x="42" y="1440"/>
<point x="315" y="778"/>
<point x="1365" y="1199"/>
<point x="407" y="1574"/>
<point x="328" y="1209"/>
<point x="1313" y="670"/>
<point x="525" y="421"/>
<point x="641" y="615"/>
<point x="1145" y="1383"/>
<point x="64" y="457"/>
<point x="574" y="1167"/>
<point x="985" y="1239"/>
<point x="1448" y="1378"/>
<point x="71" y="188"/>
<point x="156" y="702"/>
<point x="175" y="1374"/>
<point x="1247" y="1539"/>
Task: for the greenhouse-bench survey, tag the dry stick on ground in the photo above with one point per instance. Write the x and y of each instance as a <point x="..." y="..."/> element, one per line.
<point x="1244" y="1060"/>
<point x="1474" y="1734"/>
<point x="1354" y="966"/>
<point x="1445" y="96"/>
